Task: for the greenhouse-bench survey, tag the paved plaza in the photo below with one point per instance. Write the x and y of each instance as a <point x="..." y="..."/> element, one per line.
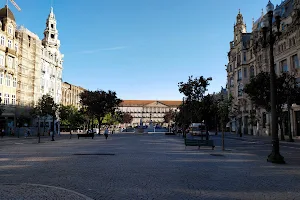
<point x="152" y="166"/>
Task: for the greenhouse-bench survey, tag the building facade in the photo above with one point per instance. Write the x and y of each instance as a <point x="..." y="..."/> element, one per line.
<point x="148" y="110"/>
<point x="71" y="95"/>
<point x="247" y="58"/>
<point x="51" y="61"/>
<point x="29" y="70"/>
<point x="8" y="66"/>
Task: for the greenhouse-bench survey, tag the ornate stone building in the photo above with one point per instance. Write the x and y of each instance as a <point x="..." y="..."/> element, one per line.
<point x="8" y="66"/>
<point x="70" y="94"/>
<point x="51" y="61"/>
<point x="148" y="110"/>
<point x="247" y="58"/>
<point x="29" y="71"/>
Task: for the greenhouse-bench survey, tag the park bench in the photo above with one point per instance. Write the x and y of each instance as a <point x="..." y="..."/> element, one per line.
<point x="86" y="135"/>
<point x="193" y="142"/>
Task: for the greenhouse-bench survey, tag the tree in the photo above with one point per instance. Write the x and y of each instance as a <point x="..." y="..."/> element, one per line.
<point x="126" y="119"/>
<point x="47" y="107"/>
<point x="194" y="90"/>
<point x="169" y="116"/>
<point x="21" y="121"/>
<point x="70" y="116"/>
<point x="259" y="92"/>
<point x="223" y="110"/>
<point x="99" y="103"/>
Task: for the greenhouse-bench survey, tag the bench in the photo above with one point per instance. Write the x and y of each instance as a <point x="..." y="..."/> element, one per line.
<point x="193" y="142"/>
<point x="86" y="135"/>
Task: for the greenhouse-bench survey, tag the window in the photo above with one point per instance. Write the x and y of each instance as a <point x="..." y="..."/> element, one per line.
<point x="1" y="61"/>
<point x="252" y="73"/>
<point x="16" y="47"/>
<point x="52" y="36"/>
<point x="275" y="68"/>
<point x="6" y="99"/>
<point x="8" y="77"/>
<point x="245" y="72"/>
<point x="13" y="99"/>
<point x="2" y="41"/>
<point x="10" y="62"/>
<point x="10" y="29"/>
<point x="295" y="61"/>
<point x="244" y="57"/>
<point x="52" y="26"/>
<point x="231" y="82"/>
<point x="14" y="82"/>
<point x="240" y="90"/>
<point x="9" y="44"/>
<point x="1" y="78"/>
<point x="284" y="66"/>
<point x="230" y="68"/>
<point x="239" y="75"/>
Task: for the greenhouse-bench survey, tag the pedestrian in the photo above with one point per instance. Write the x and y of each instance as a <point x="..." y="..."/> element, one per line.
<point x="106" y="133"/>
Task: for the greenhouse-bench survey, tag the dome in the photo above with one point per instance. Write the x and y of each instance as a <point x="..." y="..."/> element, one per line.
<point x="6" y="12"/>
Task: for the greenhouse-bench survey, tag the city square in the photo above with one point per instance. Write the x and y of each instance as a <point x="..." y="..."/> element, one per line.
<point x="150" y="100"/>
<point x="145" y="166"/>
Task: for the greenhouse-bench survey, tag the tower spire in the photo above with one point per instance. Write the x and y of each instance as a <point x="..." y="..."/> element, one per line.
<point x="51" y="32"/>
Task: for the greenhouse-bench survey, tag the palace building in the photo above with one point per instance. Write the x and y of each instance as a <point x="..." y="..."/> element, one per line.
<point x="148" y="110"/>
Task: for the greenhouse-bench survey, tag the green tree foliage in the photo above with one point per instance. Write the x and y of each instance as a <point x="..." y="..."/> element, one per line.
<point x="126" y="118"/>
<point x="99" y="103"/>
<point x="169" y="116"/>
<point x="224" y="105"/>
<point x="70" y="116"/>
<point x="259" y="90"/>
<point x="191" y="110"/>
<point x="46" y="106"/>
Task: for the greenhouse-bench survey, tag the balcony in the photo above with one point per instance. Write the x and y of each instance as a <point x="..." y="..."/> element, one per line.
<point x="11" y="51"/>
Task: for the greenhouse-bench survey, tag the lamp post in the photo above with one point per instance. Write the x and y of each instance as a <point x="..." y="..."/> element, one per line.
<point x="39" y="135"/>
<point x="275" y="156"/>
<point x="53" y="118"/>
<point x="289" y="83"/>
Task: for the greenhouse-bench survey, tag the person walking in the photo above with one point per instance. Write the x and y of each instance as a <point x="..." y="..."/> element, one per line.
<point x="106" y="133"/>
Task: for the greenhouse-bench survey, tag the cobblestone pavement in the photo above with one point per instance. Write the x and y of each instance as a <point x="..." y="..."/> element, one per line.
<point x="153" y="166"/>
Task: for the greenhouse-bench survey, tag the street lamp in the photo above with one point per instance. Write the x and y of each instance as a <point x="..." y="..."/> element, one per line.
<point x="290" y="84"/>
<point x="267" y="26"/>
<point x="53" y="117"/>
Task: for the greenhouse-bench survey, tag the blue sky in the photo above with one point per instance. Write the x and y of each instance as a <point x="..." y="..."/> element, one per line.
<point x="141" y="48"/>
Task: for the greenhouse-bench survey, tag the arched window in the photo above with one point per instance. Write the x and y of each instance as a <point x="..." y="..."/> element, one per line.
<point x="10" y="29"/>
<point x="231" y="82"/>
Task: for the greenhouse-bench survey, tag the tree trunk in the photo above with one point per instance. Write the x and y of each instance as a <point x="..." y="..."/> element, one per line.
<point x="44" y="125"/>
<point x="223" y="142"/>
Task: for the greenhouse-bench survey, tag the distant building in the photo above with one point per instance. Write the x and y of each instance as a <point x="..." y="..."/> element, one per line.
<point x="71" y="94"/>
<point x="148" y="110"/>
